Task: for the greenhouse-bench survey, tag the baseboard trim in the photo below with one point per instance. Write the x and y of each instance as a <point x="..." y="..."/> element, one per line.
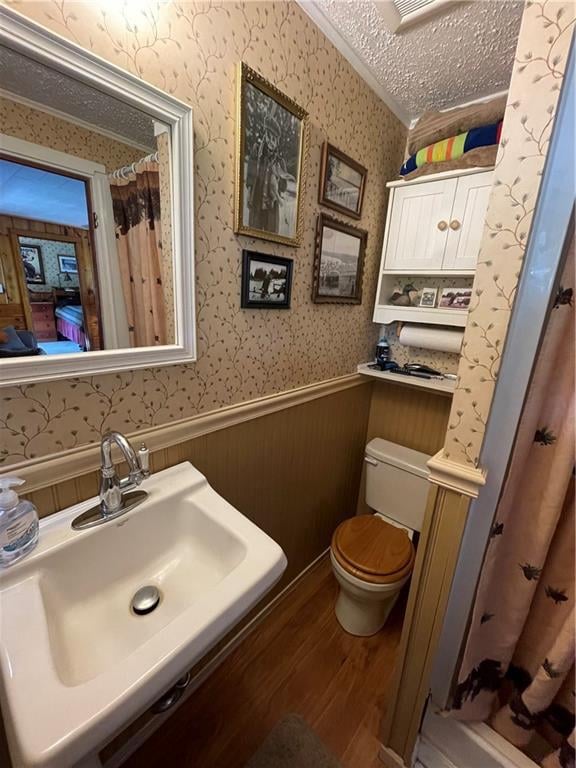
<point x="389" y="758"/>
<point x="139" y="738"/>
<point x="66" y="465"/>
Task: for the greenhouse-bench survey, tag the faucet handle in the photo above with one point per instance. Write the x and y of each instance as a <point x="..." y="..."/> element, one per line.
<point x="144" y="459"/>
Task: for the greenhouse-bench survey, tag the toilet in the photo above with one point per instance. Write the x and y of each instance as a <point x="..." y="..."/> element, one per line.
<point x="373" y="555"/>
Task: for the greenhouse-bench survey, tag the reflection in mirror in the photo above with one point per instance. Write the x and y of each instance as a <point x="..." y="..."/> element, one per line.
<point x="85" y="217"/>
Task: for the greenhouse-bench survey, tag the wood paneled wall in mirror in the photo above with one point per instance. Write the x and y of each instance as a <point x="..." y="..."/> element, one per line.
<point x="87" y="262"/>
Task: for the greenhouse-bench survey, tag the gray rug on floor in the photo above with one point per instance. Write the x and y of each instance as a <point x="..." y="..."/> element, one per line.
<point x="292" y="744"/>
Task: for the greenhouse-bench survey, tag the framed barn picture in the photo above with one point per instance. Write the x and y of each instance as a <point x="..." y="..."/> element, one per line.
<point x="338" y="262"/>
<point x="342" y="182"/>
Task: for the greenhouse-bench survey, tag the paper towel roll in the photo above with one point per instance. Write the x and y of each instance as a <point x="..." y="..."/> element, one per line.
<point x="441" y="339"/>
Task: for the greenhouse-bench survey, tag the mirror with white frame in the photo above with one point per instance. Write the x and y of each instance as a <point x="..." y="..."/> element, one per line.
<point x="96" y="212"/>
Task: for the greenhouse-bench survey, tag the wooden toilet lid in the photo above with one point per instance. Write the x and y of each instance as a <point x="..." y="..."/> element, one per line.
<point x="373" y="550"/>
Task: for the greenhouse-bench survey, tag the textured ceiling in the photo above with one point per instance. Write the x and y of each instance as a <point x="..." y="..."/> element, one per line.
<point x="464" y="52"/>
<point x="27" y="78"/>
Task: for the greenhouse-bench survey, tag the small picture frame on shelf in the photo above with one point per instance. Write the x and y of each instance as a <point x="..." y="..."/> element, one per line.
<point x="266" y="281"/>
<point x="428" y="297"/>
<point x="455" y="298"/>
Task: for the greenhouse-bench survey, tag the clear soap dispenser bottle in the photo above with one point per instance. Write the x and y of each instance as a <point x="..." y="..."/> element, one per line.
<point x="18" y="523"/>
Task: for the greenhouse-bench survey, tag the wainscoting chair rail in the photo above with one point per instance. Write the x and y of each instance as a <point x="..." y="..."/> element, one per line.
<point x="43" y="471"/>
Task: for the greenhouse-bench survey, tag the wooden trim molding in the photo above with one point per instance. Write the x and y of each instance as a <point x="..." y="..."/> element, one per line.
<point x="66" y="465"/>
<point x="461" y="478"/>
<point x="436" y="560"/>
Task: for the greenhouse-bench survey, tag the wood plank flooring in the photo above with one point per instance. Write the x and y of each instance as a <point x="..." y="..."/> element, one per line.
<point x="298" y="660"/>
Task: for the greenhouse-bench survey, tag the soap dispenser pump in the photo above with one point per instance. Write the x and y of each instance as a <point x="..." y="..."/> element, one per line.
<point x="18" y="523"/>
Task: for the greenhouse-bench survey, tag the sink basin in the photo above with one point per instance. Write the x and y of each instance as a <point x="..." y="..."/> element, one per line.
<point x="77" y="663"/>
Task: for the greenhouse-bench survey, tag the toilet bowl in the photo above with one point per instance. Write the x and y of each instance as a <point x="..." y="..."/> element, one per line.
<point x="373" y="555"/>
<point x="370" y="581"/>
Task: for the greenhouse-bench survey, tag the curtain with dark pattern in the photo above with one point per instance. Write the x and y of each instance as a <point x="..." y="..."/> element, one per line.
<point x="518" y="666"/>
<point x="136" y="205"/>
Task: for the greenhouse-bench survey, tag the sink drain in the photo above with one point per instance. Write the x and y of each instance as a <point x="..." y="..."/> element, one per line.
<point x="145" y="600"/>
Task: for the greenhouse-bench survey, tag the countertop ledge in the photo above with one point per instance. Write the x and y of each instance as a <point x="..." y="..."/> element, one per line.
<point x="442" y="386"/>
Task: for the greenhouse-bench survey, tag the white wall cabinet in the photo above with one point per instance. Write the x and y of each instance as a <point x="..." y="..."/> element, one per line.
<point x="418" y="229"/>
<point x="434" y="228"/>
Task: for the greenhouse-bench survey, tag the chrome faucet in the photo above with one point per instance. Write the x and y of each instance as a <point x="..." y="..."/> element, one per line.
<point x="114" y="501"/>
<point x="111" y="486"/>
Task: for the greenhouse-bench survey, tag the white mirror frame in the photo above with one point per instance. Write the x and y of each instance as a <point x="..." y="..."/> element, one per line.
<point x="28" y="38"/>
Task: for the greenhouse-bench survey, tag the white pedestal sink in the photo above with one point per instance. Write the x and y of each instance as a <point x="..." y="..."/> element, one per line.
<point x="76" y="663"/>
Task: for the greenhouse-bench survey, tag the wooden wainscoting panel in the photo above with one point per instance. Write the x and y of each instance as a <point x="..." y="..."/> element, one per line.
<point x="436" y="561"/>
<point x="415" y="418"/>
<point x="294" y="472"/>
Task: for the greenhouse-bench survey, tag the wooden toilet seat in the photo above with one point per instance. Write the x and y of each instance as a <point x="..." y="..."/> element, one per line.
<point x="368" y="547"/>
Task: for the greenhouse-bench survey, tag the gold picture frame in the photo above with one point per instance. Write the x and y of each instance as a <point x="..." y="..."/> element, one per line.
<point x="268" y="203"/>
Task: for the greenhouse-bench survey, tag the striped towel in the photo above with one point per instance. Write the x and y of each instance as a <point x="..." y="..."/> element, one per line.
<point x="454" y="147"/>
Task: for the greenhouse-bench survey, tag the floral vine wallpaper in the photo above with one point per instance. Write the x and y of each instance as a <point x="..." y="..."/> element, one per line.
<point x="190" y="49"/>
<point x="541" y="55"/>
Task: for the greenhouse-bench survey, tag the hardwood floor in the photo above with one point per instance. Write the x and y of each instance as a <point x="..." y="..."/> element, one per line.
<point x="298" y="660"/>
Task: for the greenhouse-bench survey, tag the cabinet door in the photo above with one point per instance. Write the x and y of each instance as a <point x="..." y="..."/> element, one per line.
<point x="467" y="221"/>
<point x="418" y="228"/>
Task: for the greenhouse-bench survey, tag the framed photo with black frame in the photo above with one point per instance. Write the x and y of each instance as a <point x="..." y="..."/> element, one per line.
<point x="266" y="281"/>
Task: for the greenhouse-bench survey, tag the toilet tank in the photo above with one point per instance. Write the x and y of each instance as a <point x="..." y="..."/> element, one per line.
<point x="396" y="482"/>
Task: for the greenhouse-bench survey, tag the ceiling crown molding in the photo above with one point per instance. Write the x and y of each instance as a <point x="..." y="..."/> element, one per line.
<point x="315" y="12"/>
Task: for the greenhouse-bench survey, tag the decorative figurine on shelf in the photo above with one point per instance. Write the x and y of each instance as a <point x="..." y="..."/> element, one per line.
<point x="405" y="297"/>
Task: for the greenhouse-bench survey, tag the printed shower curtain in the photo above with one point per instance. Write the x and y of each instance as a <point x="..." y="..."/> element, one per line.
<point x="136" y="204"/>
<point x="518" y="666"/>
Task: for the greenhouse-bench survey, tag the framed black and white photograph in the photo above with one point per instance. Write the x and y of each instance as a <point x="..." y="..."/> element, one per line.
<point x="32" y="263"/>
<point x="342" y="182"/>
<point x="67" y="263"/>
<point x="338" y="262"/>
<point x="266" y="281"/>
<point x="455" y="298"/>
<point x="270" y="151"/>
<point x="428" y="297"/>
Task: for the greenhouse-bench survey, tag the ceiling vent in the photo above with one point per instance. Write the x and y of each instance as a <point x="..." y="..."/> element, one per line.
<point x="399" y="14"/>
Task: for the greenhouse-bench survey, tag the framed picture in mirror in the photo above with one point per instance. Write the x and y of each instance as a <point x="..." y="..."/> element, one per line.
<point x="32" y="263"/>
<point x="338" y="262"/>
<point x="342" y="182"/>
<point x="270" y="152"/>
<point x="67" y="264"/>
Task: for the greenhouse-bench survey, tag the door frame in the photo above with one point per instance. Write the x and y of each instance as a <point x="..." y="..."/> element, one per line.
<point x="113" y="326"/>
<point x="546" y="251"/>
<point x="15" y="234"/>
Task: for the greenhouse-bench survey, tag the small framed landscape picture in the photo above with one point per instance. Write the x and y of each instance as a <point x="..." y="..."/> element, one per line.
<point x="266" y="281"/>
<point x="455" y="298"/>
<point x="32" y="263"/>
<point x="67" y="263"/>
<point x="342" y="182"/>
<point x="428" y="297"/>
<point x="338" y="262"/>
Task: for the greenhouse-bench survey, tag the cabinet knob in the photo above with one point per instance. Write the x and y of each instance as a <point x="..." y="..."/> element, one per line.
<point x="454" y="224"/>
<point x="442" y="226"/>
